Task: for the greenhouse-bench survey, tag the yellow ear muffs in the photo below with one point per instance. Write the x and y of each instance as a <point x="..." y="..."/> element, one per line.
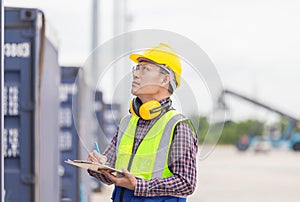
<point x="135" y="105"/>
<point x="149" y="110"/>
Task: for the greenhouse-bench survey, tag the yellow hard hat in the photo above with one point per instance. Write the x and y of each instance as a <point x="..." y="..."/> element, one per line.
<point x="164" y="55"/>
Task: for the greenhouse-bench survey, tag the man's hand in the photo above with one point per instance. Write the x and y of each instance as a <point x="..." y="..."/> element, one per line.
<point x="94" y="156"/>
<point x="128" y="181"/>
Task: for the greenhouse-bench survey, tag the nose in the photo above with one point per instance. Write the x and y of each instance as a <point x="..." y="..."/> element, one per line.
<point x="136" y="74"/>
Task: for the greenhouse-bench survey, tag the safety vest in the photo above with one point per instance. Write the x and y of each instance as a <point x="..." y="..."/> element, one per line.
<point x="151" y="158"/>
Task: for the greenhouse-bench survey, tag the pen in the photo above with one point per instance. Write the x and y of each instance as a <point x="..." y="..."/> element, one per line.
<point x="96" y="147"/>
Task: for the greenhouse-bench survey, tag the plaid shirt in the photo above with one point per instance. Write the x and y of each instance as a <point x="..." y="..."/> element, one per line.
<point x="182" y="161"/>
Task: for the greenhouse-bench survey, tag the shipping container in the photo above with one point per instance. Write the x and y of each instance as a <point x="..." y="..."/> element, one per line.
<point x="99" y="112"/>
<point x="111" y="118"/>
<point x="1" y="103"/>
<point x="84" y="117"/>
<point x="68" y="138"/>
<point x="31" y="105"/>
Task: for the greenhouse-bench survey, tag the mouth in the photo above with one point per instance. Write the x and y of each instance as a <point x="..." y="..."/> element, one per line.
<point x="135" y="83"/>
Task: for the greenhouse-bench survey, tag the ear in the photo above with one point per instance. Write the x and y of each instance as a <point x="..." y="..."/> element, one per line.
<point x="165" y="80"/>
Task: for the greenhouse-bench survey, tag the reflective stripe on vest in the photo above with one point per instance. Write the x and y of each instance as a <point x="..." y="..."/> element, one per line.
<point x="151" y="158"/>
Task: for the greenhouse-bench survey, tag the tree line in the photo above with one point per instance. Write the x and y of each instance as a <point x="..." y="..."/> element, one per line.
<point x="232" y="130"/>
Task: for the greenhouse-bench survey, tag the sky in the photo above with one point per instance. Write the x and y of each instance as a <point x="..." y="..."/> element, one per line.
<point x="254" y="44"/>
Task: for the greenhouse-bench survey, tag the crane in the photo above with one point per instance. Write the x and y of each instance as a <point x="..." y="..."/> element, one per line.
<point x="289" y="136"/>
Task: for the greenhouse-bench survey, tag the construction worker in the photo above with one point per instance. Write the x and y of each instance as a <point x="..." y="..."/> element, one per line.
<point x="154" y="146"/>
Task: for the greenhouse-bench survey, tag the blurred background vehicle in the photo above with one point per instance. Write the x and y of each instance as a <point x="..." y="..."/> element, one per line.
<point x="272" y="136"/>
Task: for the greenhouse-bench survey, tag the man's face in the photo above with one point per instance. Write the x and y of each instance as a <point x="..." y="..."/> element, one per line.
<point x="146" y="79"/>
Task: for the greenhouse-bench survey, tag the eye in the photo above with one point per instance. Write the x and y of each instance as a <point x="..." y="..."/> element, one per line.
<point x="145" y="68"/>
<point x="136" y="68"/>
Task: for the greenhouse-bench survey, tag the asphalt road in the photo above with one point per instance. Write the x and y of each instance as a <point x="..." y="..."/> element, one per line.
<point x="227" y="175"/>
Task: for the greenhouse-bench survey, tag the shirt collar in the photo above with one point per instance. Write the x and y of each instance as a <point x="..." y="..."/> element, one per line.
<point x="165" y="101"/>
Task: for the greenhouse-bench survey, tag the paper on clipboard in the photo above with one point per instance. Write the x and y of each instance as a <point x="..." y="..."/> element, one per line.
<point x="94" y="166"/>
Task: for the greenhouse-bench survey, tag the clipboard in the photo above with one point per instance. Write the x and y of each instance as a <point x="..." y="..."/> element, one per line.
<point x="94" y="166"/>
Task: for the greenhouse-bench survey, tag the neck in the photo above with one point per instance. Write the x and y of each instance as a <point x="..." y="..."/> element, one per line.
<point x="158" y="97"/>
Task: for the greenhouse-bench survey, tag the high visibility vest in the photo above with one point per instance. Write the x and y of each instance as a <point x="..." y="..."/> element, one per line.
<point x="151" y="158"/>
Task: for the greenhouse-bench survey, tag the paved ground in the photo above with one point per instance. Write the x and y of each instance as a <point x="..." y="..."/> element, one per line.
<point x="227" y="175"/>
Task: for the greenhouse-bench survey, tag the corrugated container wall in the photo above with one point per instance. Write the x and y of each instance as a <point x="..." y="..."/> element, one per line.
<point x="68" y="139"/>
<point x="31" y="107"/>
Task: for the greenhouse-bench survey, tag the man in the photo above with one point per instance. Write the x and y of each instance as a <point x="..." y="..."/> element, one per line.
<point x="155" y="146"/>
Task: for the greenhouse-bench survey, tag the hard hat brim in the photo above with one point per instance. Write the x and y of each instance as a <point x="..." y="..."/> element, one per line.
<point x="135" y="57"/>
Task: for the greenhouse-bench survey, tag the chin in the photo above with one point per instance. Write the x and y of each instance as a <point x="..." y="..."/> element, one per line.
<point x="134" y="91"/>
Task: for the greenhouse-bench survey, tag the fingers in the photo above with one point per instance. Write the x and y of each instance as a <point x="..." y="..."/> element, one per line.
<point x="100" y="158"/>
<point x="130" y="177"/>
<point x="102" y="171"/>
<point x="127" y="181"/>
<point x="94" y="156"/>
<point x="109" y="175"/>
<point x="126" y="173"/>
